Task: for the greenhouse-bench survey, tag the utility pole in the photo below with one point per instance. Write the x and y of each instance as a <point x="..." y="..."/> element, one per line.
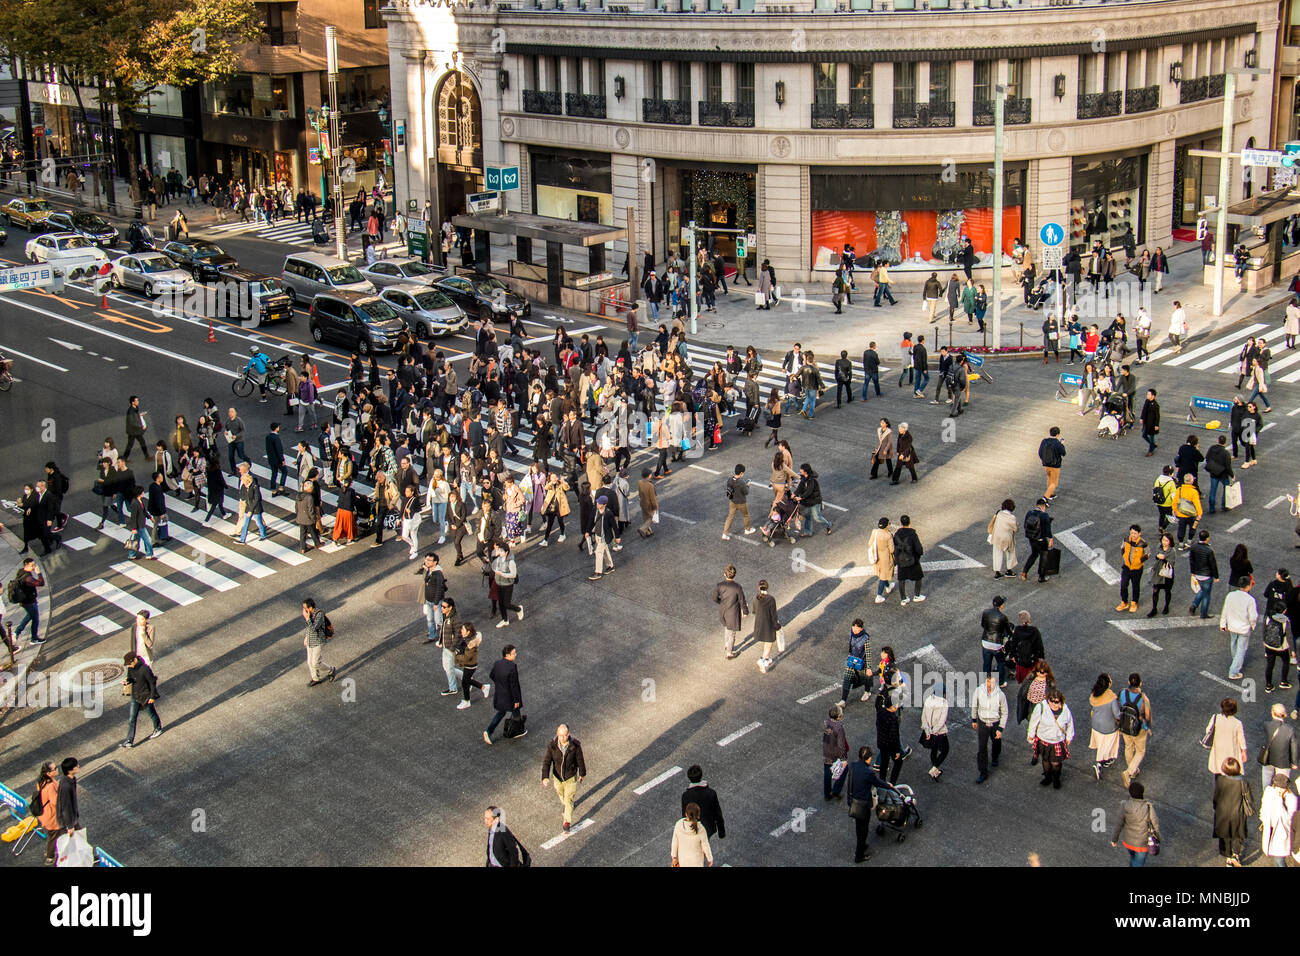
<point x="999" y="106"/>
<point x="332" y="64"/>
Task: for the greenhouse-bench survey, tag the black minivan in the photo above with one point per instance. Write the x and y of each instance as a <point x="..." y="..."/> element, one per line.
<point x="356" y="320"/>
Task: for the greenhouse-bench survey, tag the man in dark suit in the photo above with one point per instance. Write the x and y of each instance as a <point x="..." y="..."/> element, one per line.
<point x="706" y="798"/>
<point x="507" y="697"/>
<point x="275" y="459"/>
<point x="504" y="848"/>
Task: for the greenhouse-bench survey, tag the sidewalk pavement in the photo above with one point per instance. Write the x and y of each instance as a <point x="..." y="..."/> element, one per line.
<point x="10" y="678"/>
<point x="806" y="314"/>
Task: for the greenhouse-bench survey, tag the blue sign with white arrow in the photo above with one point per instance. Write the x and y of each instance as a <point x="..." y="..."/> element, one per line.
<point x="1052" y="234"/>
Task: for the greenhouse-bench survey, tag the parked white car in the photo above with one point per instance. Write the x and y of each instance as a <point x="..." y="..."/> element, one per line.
<point x="77" y="255"/>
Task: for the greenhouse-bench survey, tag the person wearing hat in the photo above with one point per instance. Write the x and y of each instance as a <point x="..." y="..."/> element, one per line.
<point x="601" y="531"/>
<point x="622" y="510"/>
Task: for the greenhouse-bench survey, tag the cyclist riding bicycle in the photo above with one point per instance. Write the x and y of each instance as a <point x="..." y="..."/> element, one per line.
<point x="258" y="366"/>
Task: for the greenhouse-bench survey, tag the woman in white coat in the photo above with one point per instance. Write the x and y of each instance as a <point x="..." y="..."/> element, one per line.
<point x="691" y="840"/>
<point x="1002" y="535"/>
<point x="1275" y="812"/>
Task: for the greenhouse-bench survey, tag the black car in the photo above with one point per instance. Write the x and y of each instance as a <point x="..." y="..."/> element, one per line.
<point x="357" y="320"/>
<point x="269" y="300"/>
<point x="86" y="224"/>
<point x="479" y="294"/>
<point x="204" y="260"/>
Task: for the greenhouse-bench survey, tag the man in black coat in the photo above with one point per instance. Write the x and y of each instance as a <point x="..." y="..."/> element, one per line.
<point x="503" y="848"/>
<point x="144" y="692"/>
<point x="870" y="369"/>
<point x="507" y="698"/>
<point x="843" y="377"/>
<point x="1218" y="463"/>
<point x="706" y="798"/>
<point x="1188" y="460"/>
<point x="1150" y="418"/>
<point x="275" y="459"/>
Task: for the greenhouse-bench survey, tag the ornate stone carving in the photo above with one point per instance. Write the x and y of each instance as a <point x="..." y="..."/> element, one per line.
<point x="507" y="127"/>
<point x="1056" y="140"/>
<point x="781" y="146"/>
<point x="622" y="137"/>
<point x="1171" y="122"/>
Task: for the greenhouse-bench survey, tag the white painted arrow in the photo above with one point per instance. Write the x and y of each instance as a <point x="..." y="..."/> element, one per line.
<point x="1094" y="558"/>
<point x="71" y="346"/>
<point x="1131" y="626"/>
<point x="962" y="562"/>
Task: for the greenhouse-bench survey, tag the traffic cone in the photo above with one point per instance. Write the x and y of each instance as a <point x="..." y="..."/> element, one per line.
<point x="315" y="376"/>
<point x="212" y="333"/>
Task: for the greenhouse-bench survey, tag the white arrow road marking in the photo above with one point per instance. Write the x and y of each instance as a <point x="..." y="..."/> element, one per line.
<point x="1131" y="627"/>
<point x="556" y="841"/>
<point x="1094" y="558"/>
<point x="73" y="346"/>
<point x="785" y="827"/>
<point x="651" y="784"/>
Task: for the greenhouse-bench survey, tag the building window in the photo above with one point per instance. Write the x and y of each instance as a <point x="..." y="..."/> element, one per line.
<point x="745" y="83"/>
<point x="1113" y="80"/>
<point x="553" y="74"/>
<point x="684" y="82"/>
<point x="824" y="85"/>
<point x="373" y="20"/>
<point x="940" y="83"/>
<point x="905" y="83"/>
<point x="598" y="77"/>
<point x="859" y="84"/>
<point x="656" y="80"/>
<point x="1085" y="79"/>
<point x="713" y="82"/>
<point x="575" y="75"/>
<point x="983" y="86"/>
<point x="532" y="73"/>
<point x="1153" y="68"/>
<point x="1017" y="78"/>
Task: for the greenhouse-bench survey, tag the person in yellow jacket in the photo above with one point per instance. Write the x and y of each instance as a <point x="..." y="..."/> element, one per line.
<point x="1133" y="557"/>
<point x="1162" y="493"/>
<point x="1187" y="509"/>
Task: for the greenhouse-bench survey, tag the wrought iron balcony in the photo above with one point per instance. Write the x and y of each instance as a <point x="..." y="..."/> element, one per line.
<point x="674" y="112"/>
<point x="278" y="38"/>
<point x="1193" y="90"/>
<point x="1144" y="99"/>
<point x="909" y="115"/>
<point x="726" y="114"/>
<point x="590" y="105"/>
<point x="1094" y="105"/>
<point x="1214" y="85"/>
<point x="542" y="101"/>
<point x="1015" y="111"/>
<point x="843" y="116"/>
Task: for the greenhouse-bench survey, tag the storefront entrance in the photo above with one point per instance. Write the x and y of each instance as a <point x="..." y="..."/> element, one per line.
<point x="1108" y="201"/>
<point x="717" y="198"/>
<point x="1195" y="177"/>
<point x="455" y="184"/>
<point x="459" y="166"/>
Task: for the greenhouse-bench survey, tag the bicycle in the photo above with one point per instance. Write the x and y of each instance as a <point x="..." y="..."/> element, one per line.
<point x="247" y="381"/>
<point x="6" y="374"/>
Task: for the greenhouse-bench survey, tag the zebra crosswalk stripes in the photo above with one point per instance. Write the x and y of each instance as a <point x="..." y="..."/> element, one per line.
<point x="289" y="232"/>
<point x="1222" y="355"/>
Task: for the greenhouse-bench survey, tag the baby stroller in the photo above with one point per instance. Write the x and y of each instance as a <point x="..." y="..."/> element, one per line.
<point x="1045" y="290"/>
<point x="894" y="809"/>
<point x="749" y="422"/>
<point x="320" y="234"/>
<point x="1114" y="416"/>
<point x="782" y="518"/>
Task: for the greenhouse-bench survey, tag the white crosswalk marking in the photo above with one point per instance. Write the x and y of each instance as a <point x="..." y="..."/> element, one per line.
<point x="142" y="575"/>
<point x="121" y="599"/>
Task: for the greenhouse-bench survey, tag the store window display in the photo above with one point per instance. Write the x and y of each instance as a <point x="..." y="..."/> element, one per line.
<point x="1108" y="202"/>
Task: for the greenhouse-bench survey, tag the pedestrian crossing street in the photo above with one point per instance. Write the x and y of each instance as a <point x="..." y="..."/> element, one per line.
<point x="1222" y="353"/>
<point x="201" y="559"/>
<point x="286" y="231"/>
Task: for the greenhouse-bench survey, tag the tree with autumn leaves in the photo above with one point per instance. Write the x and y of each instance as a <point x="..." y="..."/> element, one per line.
<point x="131" y="47"/>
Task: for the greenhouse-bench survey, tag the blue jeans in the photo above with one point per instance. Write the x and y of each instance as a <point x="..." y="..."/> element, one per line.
<point x="809" y="401"/>
<point x="1215" y="485"/>
<point x="868" y="379"/>
<point x="832" y="788"/>
<point x="135" y="713"/>
<point x="1202" y="599"/>
<point x="146" y="545"/>
<point x="922" y="380"/>
<point x="497" y="718"/>
<point x="243" y="526"/>
<point x="814" y="513"/>
<point x="433" y="615"/>
<point x="631" y="342"/>
<point x="278" y="471"/>
<point x="1257" y="394"/>
<point x="991" y="657"/>
<point x="883" y="289"/>
<point x="439" y="512"/>
<point x="1238" y="643"/>
<point x="237" y="452"/>
<point x="31" y="612"/>
<point x="1137" y="857"/>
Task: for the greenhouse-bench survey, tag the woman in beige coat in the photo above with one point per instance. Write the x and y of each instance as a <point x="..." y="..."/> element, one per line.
<point x="880" y="552"/>
<point x="1229" y="736"/>
<point x="1002" y="535"/>
<point x="690" y="840"/>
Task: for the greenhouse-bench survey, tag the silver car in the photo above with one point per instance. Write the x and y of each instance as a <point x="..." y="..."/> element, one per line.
<point x="152" y="273"/>
<point x="386" y="272"/>
<point x="426" y="312"/>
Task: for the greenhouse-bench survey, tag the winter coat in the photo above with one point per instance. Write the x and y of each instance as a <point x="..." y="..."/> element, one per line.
<point x="1229" y="741"/>
<point x="766" y="618"/>
<point x="884" y="544"/>
<point x="1003" y="527"/>
<point x="1231" y="798"/>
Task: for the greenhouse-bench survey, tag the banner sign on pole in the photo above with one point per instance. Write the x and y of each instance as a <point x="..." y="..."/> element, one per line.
<point x="1213" y="410"/>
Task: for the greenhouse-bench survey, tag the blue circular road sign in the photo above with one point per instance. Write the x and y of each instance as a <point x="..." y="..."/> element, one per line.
<point x="1052" y="234"/>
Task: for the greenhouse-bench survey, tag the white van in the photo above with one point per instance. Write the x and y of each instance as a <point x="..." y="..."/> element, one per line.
<point x="306" y="274"/>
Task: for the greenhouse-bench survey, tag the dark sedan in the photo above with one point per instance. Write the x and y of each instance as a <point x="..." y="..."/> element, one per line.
<point x="86" y="224"/>
<point x="206" y="261"/>
<point x="479" y="294"/>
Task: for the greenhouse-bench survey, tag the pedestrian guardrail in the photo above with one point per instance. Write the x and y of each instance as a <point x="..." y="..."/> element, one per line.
<point x="17" y="807"/>
<point x="1215" y="411"/>
<point x="1067" y="387"/>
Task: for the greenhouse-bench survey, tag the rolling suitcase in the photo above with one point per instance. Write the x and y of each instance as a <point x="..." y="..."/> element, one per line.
<point x="747" y="424"/>
<point x="1051" y="561"/>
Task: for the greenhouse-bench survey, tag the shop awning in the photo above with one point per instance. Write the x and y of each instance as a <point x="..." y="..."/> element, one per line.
<point x="542" y="228"/>
<point x="1262" y="210"/>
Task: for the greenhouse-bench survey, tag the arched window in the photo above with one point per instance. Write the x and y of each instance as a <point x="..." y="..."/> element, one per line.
<point x="460" y="120"/>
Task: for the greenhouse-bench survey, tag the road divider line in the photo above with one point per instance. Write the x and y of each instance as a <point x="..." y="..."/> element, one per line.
<point x="651" y="784"/>
<point x="1234" y="687"/>
<point x="732" y="738"/>
<point x="8" y="350"/>
<point x="677" y="517"/>
<point x="809" y="698"/>
<point x="1275" y="502"/>
<point x="702" y="468"/>
<point x="556" y="841"/>
<point x="789" y="824"/>
<point x="1238" y="526"/>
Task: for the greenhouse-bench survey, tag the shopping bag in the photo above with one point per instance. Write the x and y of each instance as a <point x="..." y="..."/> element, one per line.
<point x="514" y="725"/>
<point x="73" y="849"/>
<point x="1051" y="561"/>
<point x="837" y="768"/>
<point x="1232" y="496"/>
<point x="655" y="517"/>
<point x="758" y="298"/>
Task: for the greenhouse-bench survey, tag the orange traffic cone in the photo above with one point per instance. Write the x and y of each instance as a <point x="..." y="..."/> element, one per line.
<point x="212" y="333"/>
<point x="315" y="376"/>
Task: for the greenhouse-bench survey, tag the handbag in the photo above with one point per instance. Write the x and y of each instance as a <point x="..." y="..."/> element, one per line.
<point x="1262" y="757"/>
<point x="858" y="809"/>
<point x="854" y="663"/>
<point x="837" y="768"/>
<point x="1207" y="738"/>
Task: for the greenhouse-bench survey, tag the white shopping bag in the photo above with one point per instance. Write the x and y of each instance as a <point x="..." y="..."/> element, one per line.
<point x="837" y="769"/>
<point x="655" y="517"/>
<point x="74" y="849"/>
<point x="1232" y="496"/>
<point x="758" y="298"/>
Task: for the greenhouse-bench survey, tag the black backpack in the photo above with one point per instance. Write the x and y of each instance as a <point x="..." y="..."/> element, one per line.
<point x="329" y="628"/>
<point x="731" y="490"/>
<point x="1130" y="715"/>
<point x="13" y="590"/>
<point x="35" y="806"/>
<point x="1033" y="525"/>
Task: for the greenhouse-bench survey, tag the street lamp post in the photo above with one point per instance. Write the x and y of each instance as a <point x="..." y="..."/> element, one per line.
<point x="999" y="105"/>
<point x="332" y="64"/>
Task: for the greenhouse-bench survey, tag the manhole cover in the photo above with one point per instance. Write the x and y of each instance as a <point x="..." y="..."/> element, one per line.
<point x="105" y="673"/>
<point x="715" y="325"/>
<point x="401" y="594"/>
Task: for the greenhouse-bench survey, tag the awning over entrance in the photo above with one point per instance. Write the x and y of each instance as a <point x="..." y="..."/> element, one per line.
<point x="556" y="234"/>
<point x="1262" y="210"/>
<point x="1265" y="265"/>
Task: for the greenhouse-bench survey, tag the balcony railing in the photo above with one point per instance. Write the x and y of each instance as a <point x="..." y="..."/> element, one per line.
<point x="726" y="114"/>
<point x="908" y="115"/>
<point x="1214" y="85"/>
<point x="278" y="38"/>
<point x="1094" y="105"/>
<point x="590" y="105"/>
<point x="675" y="112"/>
<point x="843" y="116"/>
<point x="542" y="101"/>
<point x="1193" y="90"/>
<point x="1142" y="100"/>
<point x="1015" y="112"/>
